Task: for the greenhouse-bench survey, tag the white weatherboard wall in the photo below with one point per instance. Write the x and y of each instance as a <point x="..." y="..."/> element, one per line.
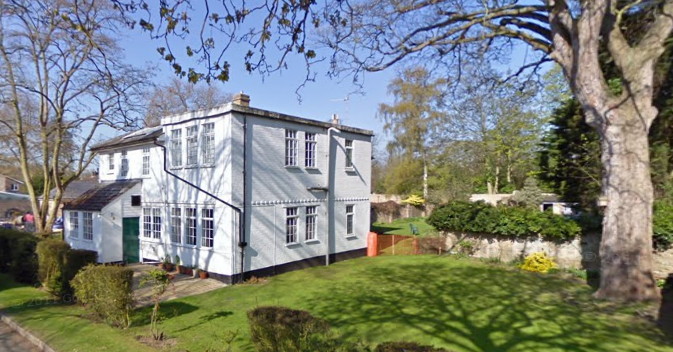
<point x="165" y="191"/>
<point x="273" y="187"/>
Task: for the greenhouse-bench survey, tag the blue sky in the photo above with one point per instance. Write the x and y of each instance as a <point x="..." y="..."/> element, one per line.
<point x="319" y="99"/>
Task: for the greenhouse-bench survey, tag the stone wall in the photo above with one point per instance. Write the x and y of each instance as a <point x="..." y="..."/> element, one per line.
<point x="582" y="252"/>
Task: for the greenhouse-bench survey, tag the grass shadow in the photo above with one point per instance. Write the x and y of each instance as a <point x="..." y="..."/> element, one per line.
<point x="168" y="310"/>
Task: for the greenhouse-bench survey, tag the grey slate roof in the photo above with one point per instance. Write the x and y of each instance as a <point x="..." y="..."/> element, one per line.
<point x="97" y="198"/>
<point x="75" y="189"/>
<point x="13" y="196"/>
<point x="147" y="134"/>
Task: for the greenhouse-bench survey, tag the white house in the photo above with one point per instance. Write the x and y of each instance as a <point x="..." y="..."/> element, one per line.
<point x="231" y="190"/>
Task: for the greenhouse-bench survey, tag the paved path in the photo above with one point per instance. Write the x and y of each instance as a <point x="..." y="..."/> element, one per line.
<point x="10" y="341"/>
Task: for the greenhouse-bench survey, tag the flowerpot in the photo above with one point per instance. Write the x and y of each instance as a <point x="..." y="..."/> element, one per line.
<point x="168" y="266"/>
<point x="203" y="274"/>
<point x="183" y="269"/>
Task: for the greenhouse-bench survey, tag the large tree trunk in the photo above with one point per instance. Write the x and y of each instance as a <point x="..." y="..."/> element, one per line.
<point x="626" y="245"/>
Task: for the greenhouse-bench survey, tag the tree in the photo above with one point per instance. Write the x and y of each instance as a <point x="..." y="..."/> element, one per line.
<point x="413" y="115"/>
<point x="60" y="80"/>
<point x="179" y="96"/>
<point x="377" y="34"/>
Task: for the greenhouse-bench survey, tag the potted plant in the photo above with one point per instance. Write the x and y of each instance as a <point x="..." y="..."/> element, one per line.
<point x="167" y="265"/>
<point x="202" y="273"/>
<point x="195" y="271"/>
<point x="181" y="269"/>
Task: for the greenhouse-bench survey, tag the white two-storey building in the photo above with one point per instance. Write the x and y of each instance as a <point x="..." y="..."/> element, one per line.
<point x="230" y="190"/>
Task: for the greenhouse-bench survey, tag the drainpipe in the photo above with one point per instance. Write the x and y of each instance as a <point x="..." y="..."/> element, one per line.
<point x="238" y="210"/>
<point x="241" y="242"/>
<point x="330" y="191"/>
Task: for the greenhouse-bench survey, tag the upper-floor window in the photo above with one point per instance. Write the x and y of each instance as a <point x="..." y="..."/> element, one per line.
<point x="14" y="187"/>
<point x="192" y="145"/>
<point x="176" y="148"/>
<point x="290" y="148"/>
<point x="124" y="164"/>
<point x="146" y="161"/>
<point x="87" y="229"/>
<point x="208" y="143"/>
<point x="349" y="153"/>
<point x="309" y="155"/>
<point x="111" y="161"/>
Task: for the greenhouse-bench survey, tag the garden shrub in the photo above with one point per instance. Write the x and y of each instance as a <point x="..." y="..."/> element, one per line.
<point x="538" y="262"/>
<point x="405" y="346"/>
<point x="17" y="255"/>
<point x="106" y="292"/>
<point x="274" y="329"/>
<point x="662" y="225"/>
<point x="479" y="217"/>
<point x="52" y="255"/>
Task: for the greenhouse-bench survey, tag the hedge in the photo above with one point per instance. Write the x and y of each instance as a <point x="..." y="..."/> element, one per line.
<point x="106" y="292"/>
<point x="283" y="329"/>
<point x="52" y="254"/>
<point x="17" y="255"/>
<point x="479" y="217"/>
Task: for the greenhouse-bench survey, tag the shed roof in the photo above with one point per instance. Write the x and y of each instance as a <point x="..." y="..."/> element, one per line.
<point x="97" y="198"/>
<point x="147" y="134"/>
<point x="75" y="189"/>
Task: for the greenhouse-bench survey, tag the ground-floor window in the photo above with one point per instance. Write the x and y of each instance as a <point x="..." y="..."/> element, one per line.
<point x="87" y="227"/>
<point x="350" y="215"/>
<point x="207" y="227"/>
<point x="291" y="217"/>
<point x="152" y="222"/>
<point x="74" y="224"/>
<point x="190" y="226"/>
<point x="156" y="223"/>
<point x="176" y="224"/>
<point x="311" y="220"/>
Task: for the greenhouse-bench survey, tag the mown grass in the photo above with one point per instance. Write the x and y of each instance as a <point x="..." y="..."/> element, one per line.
<point x="460" y="304"/>
<point x="401" y="227"/>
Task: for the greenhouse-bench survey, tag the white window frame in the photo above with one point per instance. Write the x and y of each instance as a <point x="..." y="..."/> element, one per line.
<point x="176" y="147"/>
<point x="156" y="223"/>
<point x="74" y="224"/>
<point x="348" y="145"/>
<point x="208" y="143"/>
<point x="291" y="148"/>
<point x="350" y="220"/>
<point x="311" y="223"/>
<point x="310" y="150"/>
<point x="146" y="161"/>
<point x="176" y="225"/>
<point x="124" y="164"/>
<point x="147" y="222"/>
<point x="191" y="228"/>
<point x="14" y="187"/>
<point x="87" y="225"/>
<point x="192" y="138"/>
<point x="111" y="162"/>
<point x="291" y="225"/>
<point x="207" y="227"/>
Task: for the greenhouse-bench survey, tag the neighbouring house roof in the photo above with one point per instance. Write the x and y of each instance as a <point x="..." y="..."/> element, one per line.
<point x="97" y="198"/>
<point x="147" y="134"/>
<point x="13" y="196"/>
<point x="11" y="178"/>
<point x="75" y="189"/>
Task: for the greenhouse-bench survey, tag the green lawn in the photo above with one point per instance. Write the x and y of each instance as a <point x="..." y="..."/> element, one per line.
<point x="401" y="227"/>
<point x="461" y="304"/>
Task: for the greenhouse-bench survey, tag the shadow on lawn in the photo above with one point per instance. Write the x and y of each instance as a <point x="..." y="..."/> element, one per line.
<point x="383" y="229"/>
<point x="170" y="309"/>
<point x="475" y="309"/>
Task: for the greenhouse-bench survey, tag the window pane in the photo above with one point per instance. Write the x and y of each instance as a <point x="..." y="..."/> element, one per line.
<point x="192" y="145"/>
<point x="176" y="147"/>
<point x="291" y="225"/>
<point x="290" y="148"/>
<point x="311" y="220"/>
<point x="156" y="223"/>
<point x="146" y="161"/>
<point x="176" y="225"/>
<point x="207" y="227"/>
<point x="310" y="144"/>
<point x="349" y="153"/>
<point x="190" y="229"/>
<point x="208" y="143"/>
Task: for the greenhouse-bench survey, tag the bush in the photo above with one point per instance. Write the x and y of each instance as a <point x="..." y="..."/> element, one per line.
<point x="106" y="292"/>
<point x="405" y="346"/>
<point x="283" y="329"/>
<point x="663" y="225"/>
<point x="52" y="255"/>
<point x="479" y="217"/>
<point x="538" y="262"/>
<point x="17" y="255"/>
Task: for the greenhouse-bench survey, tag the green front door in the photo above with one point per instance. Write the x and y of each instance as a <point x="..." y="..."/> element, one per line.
<point x="131" y="245"/>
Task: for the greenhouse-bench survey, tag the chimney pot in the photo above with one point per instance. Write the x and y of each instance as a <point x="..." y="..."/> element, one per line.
<point x="335" y="119"/>
<point x="241" y="99"/>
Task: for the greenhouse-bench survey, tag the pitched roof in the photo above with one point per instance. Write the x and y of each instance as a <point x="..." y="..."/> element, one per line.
<point x="13" y="196"/>
<point x="97" y="198"/>
<point x="75" y="189"/>
<point x="12" y="178"/>
<point x="146" y="134"/>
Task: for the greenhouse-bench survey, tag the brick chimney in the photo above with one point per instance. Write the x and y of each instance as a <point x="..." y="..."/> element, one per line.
<point x="241" y="99"/>
<point x="335" y="119"/>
